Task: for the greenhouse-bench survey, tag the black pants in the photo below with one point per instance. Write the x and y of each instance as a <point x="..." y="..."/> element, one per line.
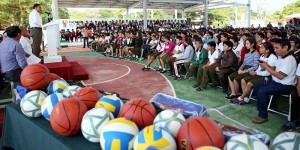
<point x="2" y="85"/>
<point x="85" y="41"/>
<point x="295" y="106"/>
<point x="13" y="75"/>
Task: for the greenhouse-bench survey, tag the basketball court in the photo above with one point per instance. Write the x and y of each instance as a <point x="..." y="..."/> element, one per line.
<point x="123" y="77"/>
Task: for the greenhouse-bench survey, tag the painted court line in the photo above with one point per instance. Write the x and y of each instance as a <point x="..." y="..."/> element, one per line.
<point x="114" y="78"/>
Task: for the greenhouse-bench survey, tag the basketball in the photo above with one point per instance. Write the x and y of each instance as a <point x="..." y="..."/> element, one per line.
<point x="35" y="77"/>
<point x="70" y="91"/>
<point x="54" y="76"/>
<point x="31" y="103"/>
<point x="207" y="148"/>
<point x="112" y="103"/>
<point x="49" y="102"/>
<point x="141" y="112"/>
<point x="118" y="134"/>
<point x="88" y="95"/>
<point x="243" y="142"/>
<point x="66" y="117"/>
<point x="200" y="131"/>
<point x="286" y="141"/>
<point x="171" y="120"/>
<point x="57" y="86"/>
<point x="92" y="123"/>
<point x="156" y="136"/>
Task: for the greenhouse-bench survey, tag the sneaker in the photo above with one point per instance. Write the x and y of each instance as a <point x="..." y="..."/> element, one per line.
<point x="290" y="125"/>
<point x="163" y="71"/>
<point x="236" y="101"/>
<point x="159" y="69"/>
<point x="177" y="78"/>
<point x="199" y="89"/>
<point x="231" y="96"/>
<point x="195" y="85"/>
<point x="145" y="68"/>
<point x="243" y="102"/>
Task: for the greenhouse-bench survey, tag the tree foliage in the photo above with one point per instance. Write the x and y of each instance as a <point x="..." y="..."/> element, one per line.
<point x="16" y="12"/>
<point x="290" y="9"/>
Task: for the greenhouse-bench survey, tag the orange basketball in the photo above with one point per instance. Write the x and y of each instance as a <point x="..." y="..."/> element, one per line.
<point x="35" y="77"/>
<point x="200" y="131"/>
<point x="141" y="112"/>
<point x="54" y="76"/>
<point x="88" y="95"/>
<point x="66" y="117"/>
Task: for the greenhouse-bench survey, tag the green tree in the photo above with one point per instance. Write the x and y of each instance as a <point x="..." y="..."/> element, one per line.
<point x="290" y="9"/>
<point x="16" y="12"/>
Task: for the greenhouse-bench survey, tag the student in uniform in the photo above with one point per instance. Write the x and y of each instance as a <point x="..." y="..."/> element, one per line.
<point x="202" y="75"/>
<point x="226" y="64"/>
<point x="283" y="79"/>
<point x="268" y="56"/>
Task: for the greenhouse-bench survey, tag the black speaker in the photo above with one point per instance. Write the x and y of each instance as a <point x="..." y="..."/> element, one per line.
<point x="188" y="21"/>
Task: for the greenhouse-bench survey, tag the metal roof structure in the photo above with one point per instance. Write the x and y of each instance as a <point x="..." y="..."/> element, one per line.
<point x="184" y="5"/>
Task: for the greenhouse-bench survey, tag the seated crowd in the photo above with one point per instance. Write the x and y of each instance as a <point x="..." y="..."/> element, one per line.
<point x="237" y="60"/>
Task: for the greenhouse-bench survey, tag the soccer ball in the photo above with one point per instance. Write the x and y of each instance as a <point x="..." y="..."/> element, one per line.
<point x="155" y="136"/>
<point x="92" y="123"/>
<point x="70" y="91"/>
<point x="286" y="141"/>
<point x="243" y="142"/>
<point x="31" y="103"/>
<point x="169" y="119"/>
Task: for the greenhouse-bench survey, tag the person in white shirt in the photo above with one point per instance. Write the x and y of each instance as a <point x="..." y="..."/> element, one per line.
<point x="268" y="56"/>
<point x="202" y="75"/>
<point x="179" y="48"/>
<point x="237" y="48"/>
<point x="35" y="23"/>
<point x="224" y="37"/>
<point x="283" y="79"/>
<point x="26" y="42"/>
<point x="159" y="50"/>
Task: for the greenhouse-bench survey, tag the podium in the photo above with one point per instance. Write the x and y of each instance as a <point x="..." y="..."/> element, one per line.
<point x="52" y="29"/>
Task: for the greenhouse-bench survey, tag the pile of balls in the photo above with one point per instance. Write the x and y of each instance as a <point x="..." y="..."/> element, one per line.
<point x="105" y="119"/>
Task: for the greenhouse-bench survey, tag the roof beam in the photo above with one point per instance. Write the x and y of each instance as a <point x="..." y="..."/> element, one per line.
<point x="176" y="1"/>
<point x="228" y="4"/>
<point x="134" y="5"/>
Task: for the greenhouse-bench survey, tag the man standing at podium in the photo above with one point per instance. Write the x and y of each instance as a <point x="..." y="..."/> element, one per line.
<point x="35" y="22"/>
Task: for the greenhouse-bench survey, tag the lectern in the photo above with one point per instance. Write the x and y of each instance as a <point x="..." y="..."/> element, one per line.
<point x="52" y="29"/>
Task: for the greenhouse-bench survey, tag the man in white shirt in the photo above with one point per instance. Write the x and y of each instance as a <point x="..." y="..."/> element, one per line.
<point x="35" y="23"/>
<point x="283" y="79"/>
<point x="26" y="42"/>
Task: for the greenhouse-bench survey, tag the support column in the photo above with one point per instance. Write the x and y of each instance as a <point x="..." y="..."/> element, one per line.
<point x="55" y="10"/>
<point x="152" y="13"/>
<point x="145" y="14"/>
<point x="249" y="13"/>
<point x="127" y="13"/>
<point x="206" y="14"/>
<point x="183" y="14"/>
<point x="175" y="13"/>
<point x="236" y="15"/>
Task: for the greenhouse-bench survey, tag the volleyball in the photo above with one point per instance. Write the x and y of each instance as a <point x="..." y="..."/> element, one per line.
<point x="118" y="134"/>
<point x="170" y="119"/>
<point x="70" y="91"/>
<point x="31" y="103"/>
<point x="48" y="104"/>
<point x="112" y="103"/>
<point x="156" y="136"/>
<point x="92" y="123"/>
<point x="57" y="86"/>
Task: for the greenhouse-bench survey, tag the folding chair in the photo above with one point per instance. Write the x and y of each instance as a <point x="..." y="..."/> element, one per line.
<point x="278" y="112"/>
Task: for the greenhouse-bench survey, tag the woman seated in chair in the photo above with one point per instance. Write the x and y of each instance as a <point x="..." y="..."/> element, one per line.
<point x="269" y="56"/>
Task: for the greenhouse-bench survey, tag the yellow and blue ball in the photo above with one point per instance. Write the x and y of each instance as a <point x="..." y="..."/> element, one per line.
<point x="112" y="103"/>
<point x="118" y="134"/>
<point x="155" y="136"/>
<point x="57" y="86"/>
<point x="48" y="104"/>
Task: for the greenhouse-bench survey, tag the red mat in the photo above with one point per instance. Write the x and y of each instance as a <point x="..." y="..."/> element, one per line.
<point x="79" y="73"/>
